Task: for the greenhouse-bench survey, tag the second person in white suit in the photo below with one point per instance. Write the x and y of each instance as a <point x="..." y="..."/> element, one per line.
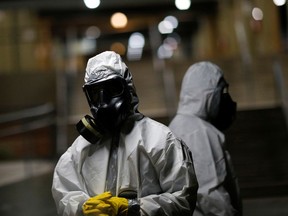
<point x="205" y="109"/>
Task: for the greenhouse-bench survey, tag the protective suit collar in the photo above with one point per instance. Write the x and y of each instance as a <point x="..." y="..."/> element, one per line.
<point x="198" y="87"/>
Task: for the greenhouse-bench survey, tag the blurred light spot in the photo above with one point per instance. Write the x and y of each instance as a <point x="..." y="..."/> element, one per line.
<point x="92" y="3"/>
<point x="171" y="42"/>
<point x="87" y="46"/>
<point x="134" y="54"/>
<point x="92" y="32"/>
<point x="257" y="14"/>
<point x="136" y="44"/>
<point x="136" y="40"/>
<point x="164" y="52"/>
<point x="176" y="37"/>
<point x="173" y="20"/>
<point x="118" y="48"/>
<point x="182" y="4"/>
<point x="165" y="27"/>
<point x="28" y="35"/>
<point x="40" y="51"/>
<point x="279" y="2"/>
<point x="118" y="20"/>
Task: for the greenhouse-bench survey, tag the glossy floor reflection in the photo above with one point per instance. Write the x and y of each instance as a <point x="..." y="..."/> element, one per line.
<point x="266" y="206"/>
<point x="29" y="197"/>
<point x="32" y="197"/>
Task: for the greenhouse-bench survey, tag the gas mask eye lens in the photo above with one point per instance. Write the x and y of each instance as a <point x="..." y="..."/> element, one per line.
<point x="104" y="90"/>
<point x="93" y="93"/>
<point x="114" y="88"/>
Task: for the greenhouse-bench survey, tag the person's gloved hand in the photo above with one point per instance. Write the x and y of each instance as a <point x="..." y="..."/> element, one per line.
<point x="105" y="205"/>
<point x="96" y="206"/>
<point x="119" y="206"/>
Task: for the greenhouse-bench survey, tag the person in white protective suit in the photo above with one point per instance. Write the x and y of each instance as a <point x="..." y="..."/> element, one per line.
<point x="205" y="109"/>
<point x="123" y="163"/>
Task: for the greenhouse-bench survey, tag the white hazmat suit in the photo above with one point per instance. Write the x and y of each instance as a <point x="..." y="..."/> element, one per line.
<point x="149" y="160"/>
<point x="198" y="97"/>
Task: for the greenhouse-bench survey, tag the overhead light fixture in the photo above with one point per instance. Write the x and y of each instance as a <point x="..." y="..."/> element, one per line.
<point x="173" y="20"/>
<point x="257" y="14"/>
<point x="92" y="4"/>
<point x="164" y="52"/>
<point x="136" y="40"/>
<point x="136" y="44"/>
<point x="165" y="27"/>
<point x="183" y="4"/>
<point x="118" y="20"/>
<point x="279" y="2"/>
<point x="171" y="42"/>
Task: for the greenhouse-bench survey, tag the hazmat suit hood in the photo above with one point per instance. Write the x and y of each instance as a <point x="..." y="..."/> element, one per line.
<point x="107" y="64"/>
<point x="201" y="87"/>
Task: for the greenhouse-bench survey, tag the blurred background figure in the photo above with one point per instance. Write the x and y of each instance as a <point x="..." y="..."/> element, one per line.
<point x="205" y="109"/>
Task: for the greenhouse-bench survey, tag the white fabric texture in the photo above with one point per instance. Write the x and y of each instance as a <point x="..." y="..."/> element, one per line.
<point x="150" y="161"/>
<point x="104" y="61"/>
<point x="191" y="123"/>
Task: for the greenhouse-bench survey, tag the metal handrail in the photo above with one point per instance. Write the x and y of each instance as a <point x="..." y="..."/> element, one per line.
<point x="26" y="113"/>
<point x="23" y="115"/>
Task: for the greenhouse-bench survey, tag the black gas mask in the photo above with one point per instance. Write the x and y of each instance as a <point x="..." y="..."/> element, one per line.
<point x="226" y="111"/>
<point x="109" y="102"/>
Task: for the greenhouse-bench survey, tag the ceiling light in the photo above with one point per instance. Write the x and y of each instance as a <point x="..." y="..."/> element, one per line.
<point x="173" y="20"/>
<point x="257" y="14"/>
<point x="136" y="44"/>
<point x="118" y="20"/>
<point x="136" y="40"/>
<point x="164" y="52"/>
<point x="165" y="27"/>
<point x="279" y="2"/>
<point x="92" y="3"/>
<point x="182" y="4"/>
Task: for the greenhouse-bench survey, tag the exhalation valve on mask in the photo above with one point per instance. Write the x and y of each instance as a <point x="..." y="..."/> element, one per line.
<point x="110" y="116"/>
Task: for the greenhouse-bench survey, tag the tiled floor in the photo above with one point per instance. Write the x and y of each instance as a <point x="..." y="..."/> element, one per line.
<point x="30" y="194"/>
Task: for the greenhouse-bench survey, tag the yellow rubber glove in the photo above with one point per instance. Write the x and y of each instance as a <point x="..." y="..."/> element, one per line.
<point x="97" y="206"/>
<point x="119" y="206"/>
<point x="105" y="205"/>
